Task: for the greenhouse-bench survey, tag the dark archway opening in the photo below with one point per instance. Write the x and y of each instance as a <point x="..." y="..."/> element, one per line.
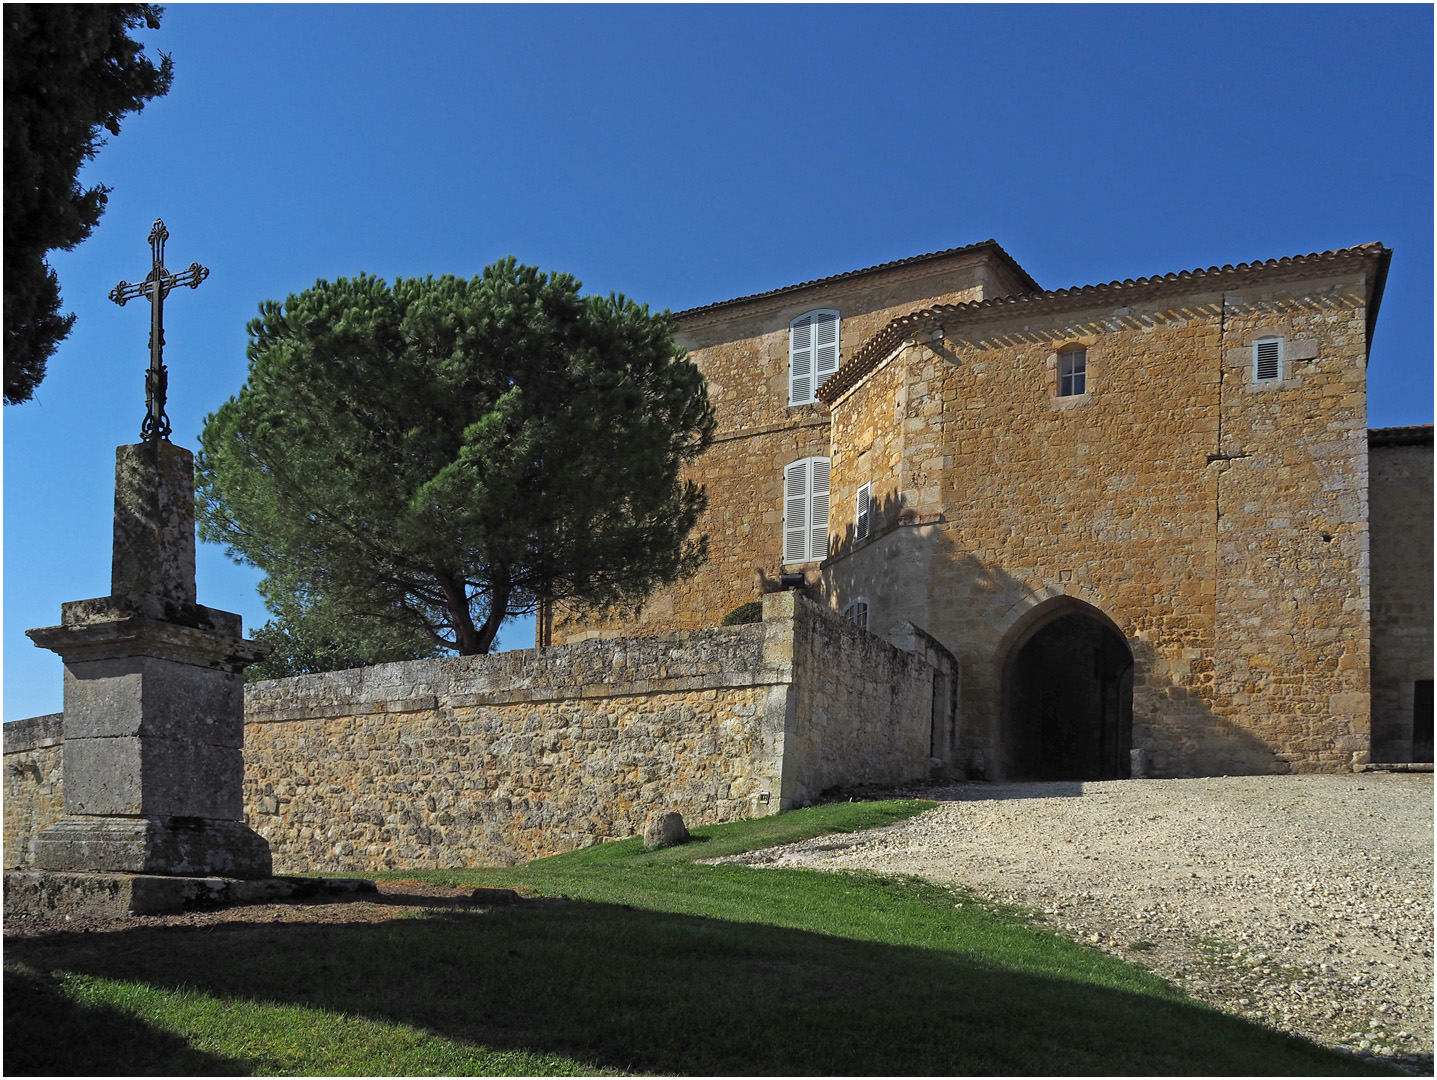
<point x="1068" y="693"/>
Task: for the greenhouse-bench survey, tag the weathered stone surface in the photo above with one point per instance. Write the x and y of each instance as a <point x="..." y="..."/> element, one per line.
<point x="34" y="789"/>
<point x="153" y="845"/>
<point x="154" y="549"/>
<point x="1401" y="480"/>
<point x="665" y="829"/>
<point x="496" y="897"/>
<point x="489" y="760"/>
<point x="36" y="892"/>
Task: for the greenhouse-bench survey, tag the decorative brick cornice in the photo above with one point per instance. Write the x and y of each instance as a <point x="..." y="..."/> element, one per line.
<point x="882" y="344"/>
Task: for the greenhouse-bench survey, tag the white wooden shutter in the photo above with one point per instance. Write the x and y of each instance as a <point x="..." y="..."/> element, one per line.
<point x="1267" y="360"/>
<point x="860" y="528"/>
<point x="800" y="360"/>
<point x="818" y="510"/>
<point x="795" y="512"/>
<point x="825" y="345"/>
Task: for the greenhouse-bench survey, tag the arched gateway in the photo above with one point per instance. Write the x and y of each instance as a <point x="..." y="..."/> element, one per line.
<point x="1067" y="708"/>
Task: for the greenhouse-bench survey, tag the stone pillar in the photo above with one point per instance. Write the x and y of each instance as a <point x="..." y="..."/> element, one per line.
<point x="154" y="699"/>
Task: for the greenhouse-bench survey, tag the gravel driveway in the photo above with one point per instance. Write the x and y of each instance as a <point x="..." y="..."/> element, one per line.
<point x="1302" y="902"/>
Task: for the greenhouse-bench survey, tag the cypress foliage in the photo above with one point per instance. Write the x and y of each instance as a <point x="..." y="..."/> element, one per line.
<point x="70" y="70"/>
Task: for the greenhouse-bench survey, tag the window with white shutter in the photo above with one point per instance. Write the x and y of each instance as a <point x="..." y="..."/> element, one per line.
<point x="805" y="510"/>
<point x="1267" y="360"/>
<point x="860" y="516"/>
<point x="812" y="354"/>
<point x="818" y="510"/>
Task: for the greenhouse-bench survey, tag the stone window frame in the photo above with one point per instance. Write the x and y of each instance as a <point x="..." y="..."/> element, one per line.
<point x="1057" y="399"/>
<point x="1073" y="383"/>
<point x="858" y="612"/>
<point x="818" y="369"/>
<point x="1256" y="379"/>
<point x="1293" y="352"/>
<point x="863" y="513"/>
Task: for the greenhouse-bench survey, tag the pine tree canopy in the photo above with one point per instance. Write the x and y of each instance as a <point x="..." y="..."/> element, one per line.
<point x="70" y="70"/>
<point x="430" y="458"/>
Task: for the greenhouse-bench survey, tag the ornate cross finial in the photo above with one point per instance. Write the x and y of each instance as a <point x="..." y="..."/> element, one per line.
<point x="157" y="286"/>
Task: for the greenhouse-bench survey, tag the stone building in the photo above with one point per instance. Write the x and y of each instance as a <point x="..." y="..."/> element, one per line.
<point x="1140" y="514"/>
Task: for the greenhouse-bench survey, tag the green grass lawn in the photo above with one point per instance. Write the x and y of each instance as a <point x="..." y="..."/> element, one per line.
<point x="652" y="965"/>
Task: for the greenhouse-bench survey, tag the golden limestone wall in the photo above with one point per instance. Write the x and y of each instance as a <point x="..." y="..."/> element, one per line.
<point x="34" y="792"/>
<point x="1292" y="656"/>
<point x="1400" y="464"/>
<point x="743" y="352"/>
<point x="491" y="760"/>
<point x="1187" y="507"/>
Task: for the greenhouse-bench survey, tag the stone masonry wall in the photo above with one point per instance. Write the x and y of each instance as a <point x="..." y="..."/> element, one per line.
<point x="1220" y="527"/>
<point x="34" y="794"/>
<point x="491" y="760"/>
<point x="1400" y="464"/>
<point x="862" y="711"/>
<point x="743" y="354"/>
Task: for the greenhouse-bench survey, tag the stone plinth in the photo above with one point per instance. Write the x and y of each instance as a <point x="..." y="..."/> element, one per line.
<point x="154" y="699"/>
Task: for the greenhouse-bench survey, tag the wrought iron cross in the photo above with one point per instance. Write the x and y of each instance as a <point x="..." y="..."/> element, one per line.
<point x="157" y="286"/>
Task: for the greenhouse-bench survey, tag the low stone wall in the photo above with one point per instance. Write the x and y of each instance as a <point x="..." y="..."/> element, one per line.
<point x="489" y="760"/>
<point x="34" y="794"/>
<point x="862" y="710"/>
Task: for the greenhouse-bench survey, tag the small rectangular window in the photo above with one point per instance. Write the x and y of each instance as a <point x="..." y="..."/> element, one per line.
<point x="860" y="526"/>
<point x="1072" y="372"/>
<point x="1267" y="360"/>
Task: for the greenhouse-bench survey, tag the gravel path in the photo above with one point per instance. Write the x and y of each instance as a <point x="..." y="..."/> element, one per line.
<point x="1302" y="902"/>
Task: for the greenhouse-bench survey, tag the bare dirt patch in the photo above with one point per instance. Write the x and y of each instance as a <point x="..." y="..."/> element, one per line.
<point x="395" y="899"/>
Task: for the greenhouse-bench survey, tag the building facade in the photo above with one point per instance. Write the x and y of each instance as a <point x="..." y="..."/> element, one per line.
<point x="1138" y="513"/>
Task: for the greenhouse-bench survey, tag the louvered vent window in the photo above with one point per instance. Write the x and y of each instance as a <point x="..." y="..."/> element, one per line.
<point x="805" y="510"/>
<point x="1267" y="360"/>
<point x="857" y="613"/>
<point x="812" y="354"/>
<point x="861" y="513"/>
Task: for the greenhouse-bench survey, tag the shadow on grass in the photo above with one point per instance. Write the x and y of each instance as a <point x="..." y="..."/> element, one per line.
<point x="49" y="1034"/>
<point x="620" y="988"/>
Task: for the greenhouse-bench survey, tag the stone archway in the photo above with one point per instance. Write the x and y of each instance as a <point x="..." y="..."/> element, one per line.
<point x="1068" y="697"/>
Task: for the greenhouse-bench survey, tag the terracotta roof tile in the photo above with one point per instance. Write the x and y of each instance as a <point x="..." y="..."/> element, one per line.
<point x="881" y="344"/>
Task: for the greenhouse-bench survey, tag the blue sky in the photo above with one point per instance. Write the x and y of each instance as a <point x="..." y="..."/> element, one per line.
<point x="687" y="155"/>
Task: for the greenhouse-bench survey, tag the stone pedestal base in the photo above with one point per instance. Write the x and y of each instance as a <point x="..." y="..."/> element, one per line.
<point x="107" y="896"/>
<point x="195" y="847"/>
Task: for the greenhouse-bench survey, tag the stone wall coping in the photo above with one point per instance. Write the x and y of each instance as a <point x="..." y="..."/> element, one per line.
<point x="34" y="732"/>
<point x="1415" y="435"/>
<point x="583" y="671"/>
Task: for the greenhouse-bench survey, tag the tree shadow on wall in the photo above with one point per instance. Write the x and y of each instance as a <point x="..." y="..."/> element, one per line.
<point x="973" y="607"/>
<point x="615" y="988"/>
